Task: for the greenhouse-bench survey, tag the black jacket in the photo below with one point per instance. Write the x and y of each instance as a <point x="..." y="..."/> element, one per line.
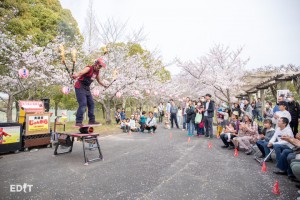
<point x="211" y="109"/>
<point x="190" y="114"/>
<point x="293" y="108"/>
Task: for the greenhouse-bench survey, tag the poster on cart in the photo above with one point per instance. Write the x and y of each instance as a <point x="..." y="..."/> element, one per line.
<point x="9" y="135"/>
<point x="37" y="124"/>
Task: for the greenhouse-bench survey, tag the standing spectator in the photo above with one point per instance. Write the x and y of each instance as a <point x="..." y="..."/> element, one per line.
<point x="168" y="110"/>
<point x="185" y="105"/>
<point x="199" y="121"/>
<point x="258" y="107"/>
<point x="161" y="112"/>
<point x="236" y="108"/>
<point x="253" y="103"/>
<point x="179" y="116"/>
<point x="281" y="113"/>
<point x="209" y="108"/>
<point x="190" y="118"/>
<point x="123" y="114"/>
<point x="293" y="108"/>
<point x="268" y="113"/>
<point x="151" y="123"/>
<point x="155" y="111"/>
<point x="247" y="108"/>
<point x="276" y="107"/>
<point x="174" y="111"/>
<point x="118" y="116"/>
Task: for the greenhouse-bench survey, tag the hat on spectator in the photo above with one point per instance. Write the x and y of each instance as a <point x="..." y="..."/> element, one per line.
<point x="235" y="113"/>
<point x="249" y="115"/>
<point x="282" y="103"/>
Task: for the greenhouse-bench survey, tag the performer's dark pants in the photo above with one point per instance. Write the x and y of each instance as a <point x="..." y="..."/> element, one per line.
<point x="84" y="98"/>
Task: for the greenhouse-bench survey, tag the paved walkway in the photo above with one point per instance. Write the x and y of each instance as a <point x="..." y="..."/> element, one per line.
<point x="143" y="166"/>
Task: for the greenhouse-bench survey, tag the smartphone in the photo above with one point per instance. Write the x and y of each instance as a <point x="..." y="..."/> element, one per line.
<point x="279" y="136"/>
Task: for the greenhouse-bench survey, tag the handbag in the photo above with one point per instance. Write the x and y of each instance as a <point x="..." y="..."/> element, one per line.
<point x="198" y="118"/>
<point x="201" y="125"/>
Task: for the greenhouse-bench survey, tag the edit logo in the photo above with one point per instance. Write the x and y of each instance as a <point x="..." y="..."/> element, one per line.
<point x="20" y="188"/>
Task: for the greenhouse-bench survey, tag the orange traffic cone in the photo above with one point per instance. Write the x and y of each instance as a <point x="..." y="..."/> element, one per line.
<point x="264" y="167"/>
<point x="209" y="145"/>
<point x="236" y="152"/>
<point x="276" y="188"/>
<point x="171" y="136"/>
<point x="189" y="139"/>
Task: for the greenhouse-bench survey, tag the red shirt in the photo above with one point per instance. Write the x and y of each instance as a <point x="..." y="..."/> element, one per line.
<point x="86" y="80"/>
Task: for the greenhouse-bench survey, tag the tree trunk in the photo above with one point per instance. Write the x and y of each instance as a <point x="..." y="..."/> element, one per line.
<point x="107" y="111"/>
<point x="9" y="108"/>
<point x="55" y="108"/>
<point x="103" y="111"/>
<point x="123" y="102"/>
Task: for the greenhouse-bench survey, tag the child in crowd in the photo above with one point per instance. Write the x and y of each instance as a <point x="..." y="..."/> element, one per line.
<point x="228" y="130"/>
<point x="220" y="119"/>
<point x="179" y="116"/>
<point x="123" y="125"/>
<point x="132" y="124"/>
<point x="142" y="121"/>
<point x="127" y="125"/>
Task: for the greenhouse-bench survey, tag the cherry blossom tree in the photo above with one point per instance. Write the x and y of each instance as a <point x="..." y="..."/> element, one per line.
<point x="39" y="61"/>
<point x="219" y="72"/>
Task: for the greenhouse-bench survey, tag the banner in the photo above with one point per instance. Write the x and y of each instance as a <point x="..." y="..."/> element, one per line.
<point x="9" y="135"/>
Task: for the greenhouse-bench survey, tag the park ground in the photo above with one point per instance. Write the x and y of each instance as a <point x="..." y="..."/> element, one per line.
<point x="143" y="166"/>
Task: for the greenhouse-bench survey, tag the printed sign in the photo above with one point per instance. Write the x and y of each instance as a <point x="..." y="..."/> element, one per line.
<point x="37" y="124"/>
<point x="9" y="134"/>
<point x="32" y="106"/>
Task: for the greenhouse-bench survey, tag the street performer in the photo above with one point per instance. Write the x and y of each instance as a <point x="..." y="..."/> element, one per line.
<point x="83" y="93"/>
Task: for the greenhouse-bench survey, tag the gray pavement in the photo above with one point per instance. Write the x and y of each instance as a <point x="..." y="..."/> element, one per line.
<point x="143" y="166"/>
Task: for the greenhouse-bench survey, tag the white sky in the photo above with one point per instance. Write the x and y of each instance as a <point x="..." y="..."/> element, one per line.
<point x="269" y="30"/>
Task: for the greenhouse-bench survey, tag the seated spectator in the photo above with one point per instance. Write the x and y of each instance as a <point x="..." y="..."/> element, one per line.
<point x="293" y="159"/>
<point x="228" y="130"/>
<point x="264" y="139"/>
<point x="132" y="124"/>
<point x="248" y="132"/>
<point x="127" y="126"/>
<point x="234" y="133"/>
<point x="268" y="113"/>
<point x="142" y="121"/>
<point x="122" y="124"/>
<point x="282" y="148"/>
<point x="118" y="116"/>
<point x="151" y="123"/>
<point x="137" y="118"/>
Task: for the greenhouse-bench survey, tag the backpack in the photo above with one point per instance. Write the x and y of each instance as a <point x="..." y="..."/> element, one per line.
<point x="198" y="118"/>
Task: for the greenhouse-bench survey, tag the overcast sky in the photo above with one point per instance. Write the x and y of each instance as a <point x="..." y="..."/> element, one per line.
<point x="269" y="30"/>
